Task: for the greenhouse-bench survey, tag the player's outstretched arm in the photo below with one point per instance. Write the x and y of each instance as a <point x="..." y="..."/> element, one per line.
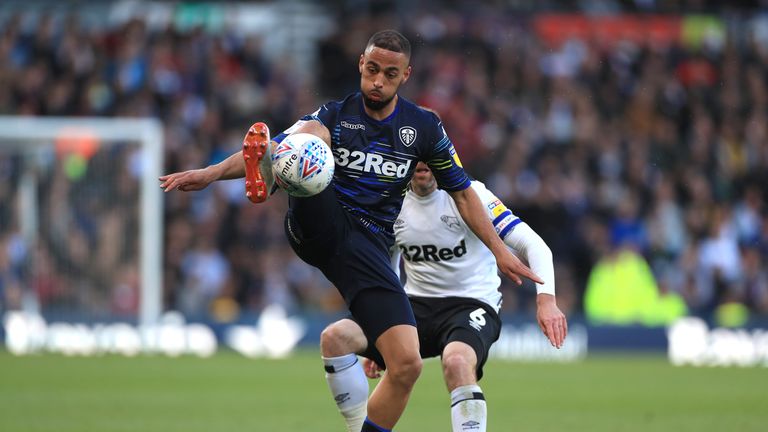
<point x="535" y="253"/>
<point x="532" y="248"/>
<point x="234" y="166"/>
<point x="471" y="209"/>
<point x="193" y="180"/>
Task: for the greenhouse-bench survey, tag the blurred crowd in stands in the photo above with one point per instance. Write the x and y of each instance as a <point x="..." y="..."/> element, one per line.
<point x="609" y="149"/>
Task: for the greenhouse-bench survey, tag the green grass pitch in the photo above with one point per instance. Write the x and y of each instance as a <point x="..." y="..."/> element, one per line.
<point x="231" y="393"/>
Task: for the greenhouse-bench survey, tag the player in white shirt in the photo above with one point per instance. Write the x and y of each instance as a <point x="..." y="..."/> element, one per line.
<point x="452" y="283"/>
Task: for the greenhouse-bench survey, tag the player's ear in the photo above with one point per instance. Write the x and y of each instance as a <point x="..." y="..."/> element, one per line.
<point x="361" y="63"/>
<point x="406" y="74"/>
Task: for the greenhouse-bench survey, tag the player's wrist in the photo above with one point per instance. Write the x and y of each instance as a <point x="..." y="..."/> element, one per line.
<point x="543" y="299"/>
<point x="498" y="248"/>
<point x="214" y="172"/>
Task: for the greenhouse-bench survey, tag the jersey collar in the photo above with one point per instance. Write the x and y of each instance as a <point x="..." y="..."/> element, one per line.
<point x="423" y="199"/>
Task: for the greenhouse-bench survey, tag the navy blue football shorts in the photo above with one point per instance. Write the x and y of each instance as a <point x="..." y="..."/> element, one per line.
<point x="442" y="320"/>
<point x="355" y="259"/>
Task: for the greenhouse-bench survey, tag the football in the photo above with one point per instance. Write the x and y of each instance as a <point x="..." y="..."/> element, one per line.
<point x="302" y="164"/>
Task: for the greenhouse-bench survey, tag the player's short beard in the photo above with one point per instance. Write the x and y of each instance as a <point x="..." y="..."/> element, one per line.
<point x="376" y="105"/>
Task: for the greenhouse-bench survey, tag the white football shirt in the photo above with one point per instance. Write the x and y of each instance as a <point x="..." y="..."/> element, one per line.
<point x="442" y="256"/>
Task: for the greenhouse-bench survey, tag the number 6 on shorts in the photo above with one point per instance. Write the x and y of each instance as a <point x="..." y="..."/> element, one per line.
<point x="477" y="320"/>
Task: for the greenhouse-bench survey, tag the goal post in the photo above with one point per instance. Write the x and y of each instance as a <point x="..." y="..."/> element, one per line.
<point x="25" y="136"/>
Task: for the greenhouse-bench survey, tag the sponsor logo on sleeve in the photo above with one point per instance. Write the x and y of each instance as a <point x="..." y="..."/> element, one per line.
<point x="455" y="156"/>
<point x="500" y="225"/>
<point x="497" y="207"/>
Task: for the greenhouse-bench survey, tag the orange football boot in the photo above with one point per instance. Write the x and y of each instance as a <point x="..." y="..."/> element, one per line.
<point x="258" y="163"/>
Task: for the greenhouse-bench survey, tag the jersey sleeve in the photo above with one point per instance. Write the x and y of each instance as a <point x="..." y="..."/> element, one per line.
<point x="326" y="114"/>
<point x="444" y="161"/>
<point x="502" y="218"/>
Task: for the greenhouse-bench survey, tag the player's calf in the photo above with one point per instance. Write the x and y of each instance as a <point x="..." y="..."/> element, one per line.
<point x="349" y="388"/>
<point x="343" y="371"/>
<point x="468" y="407"/>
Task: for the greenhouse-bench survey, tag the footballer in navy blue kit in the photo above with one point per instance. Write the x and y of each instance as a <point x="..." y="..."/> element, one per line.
<point x="346" y="230"/>
<point x="375" y="160"/>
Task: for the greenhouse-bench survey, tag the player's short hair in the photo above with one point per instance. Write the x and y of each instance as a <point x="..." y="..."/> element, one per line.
<point x="391" y="40"/>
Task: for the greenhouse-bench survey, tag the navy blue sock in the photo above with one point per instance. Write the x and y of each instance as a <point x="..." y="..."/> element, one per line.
<point x="370" y="426"/>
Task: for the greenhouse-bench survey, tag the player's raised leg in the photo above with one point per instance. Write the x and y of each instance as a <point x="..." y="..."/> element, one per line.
<point x="399" y="346"/>
<point x="349" y="387"/>
<point x="468" y="407"/>
<point x="258" y="163"/>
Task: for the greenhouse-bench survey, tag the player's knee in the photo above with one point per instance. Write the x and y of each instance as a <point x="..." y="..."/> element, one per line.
<point x="325" y="135"/>
<point x="335" y="341"/>
<point x="456" y="366"/>
<point x="405" y="369"/>
<point x="318" y="129"/>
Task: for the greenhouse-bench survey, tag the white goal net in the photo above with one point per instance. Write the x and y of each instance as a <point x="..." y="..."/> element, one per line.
<point x="81" y="218"/>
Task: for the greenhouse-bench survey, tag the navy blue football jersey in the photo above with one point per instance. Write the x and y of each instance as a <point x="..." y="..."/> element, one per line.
<point x="376" y="159"/>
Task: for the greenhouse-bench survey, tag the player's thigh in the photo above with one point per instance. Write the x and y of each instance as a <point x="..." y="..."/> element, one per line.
<point x="361" y="268"/>
<point x="323" y="217"/>
<point x="399" y="346"/>
<point x="377" y="310"/>
<point x="427" y="314"/>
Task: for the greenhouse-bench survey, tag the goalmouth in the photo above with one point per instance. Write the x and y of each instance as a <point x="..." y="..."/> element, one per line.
<point x="26" y="138"/>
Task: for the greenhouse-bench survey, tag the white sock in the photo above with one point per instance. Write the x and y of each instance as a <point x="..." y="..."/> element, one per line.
<point x="349" y="388"/>
<point x="468" y="410"/>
